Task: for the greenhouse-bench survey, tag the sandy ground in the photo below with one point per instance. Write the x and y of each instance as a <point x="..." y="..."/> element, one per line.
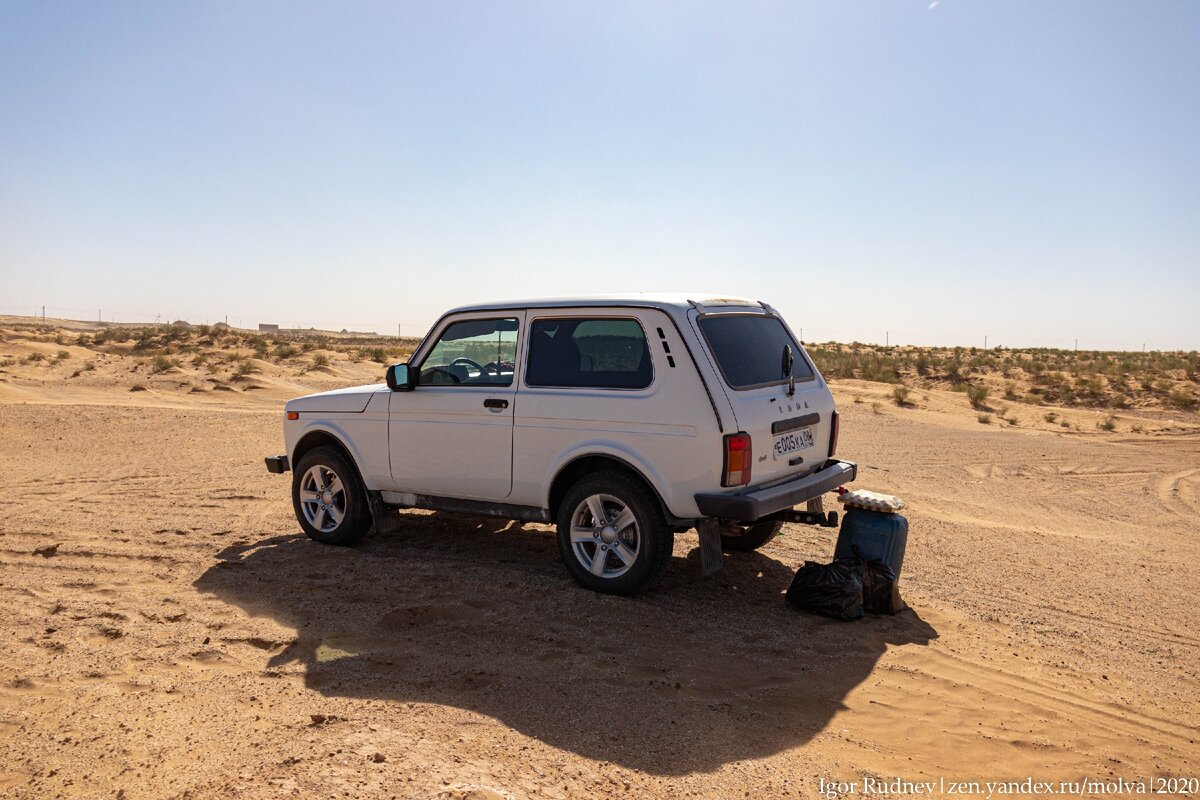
<point x="169" y="633"/>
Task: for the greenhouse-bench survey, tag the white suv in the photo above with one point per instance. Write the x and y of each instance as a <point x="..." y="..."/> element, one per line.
<point x="622" y="420"/>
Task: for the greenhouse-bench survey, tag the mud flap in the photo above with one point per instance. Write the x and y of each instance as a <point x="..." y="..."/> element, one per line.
<point x="711" y="559"/>
<point x="378" y="512"/>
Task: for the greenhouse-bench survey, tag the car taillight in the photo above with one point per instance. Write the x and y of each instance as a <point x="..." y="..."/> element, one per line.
<point x="833" y="434"/>
<point x="737" y="460"/>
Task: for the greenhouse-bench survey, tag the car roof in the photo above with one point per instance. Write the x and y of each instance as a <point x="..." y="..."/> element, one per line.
<point x="679" y="301"/>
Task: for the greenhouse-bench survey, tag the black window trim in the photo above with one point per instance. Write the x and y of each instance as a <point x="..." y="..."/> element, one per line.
<point x="801" y="352"/>
<point x="584" y="317"/>
<point x="433" y="342"/>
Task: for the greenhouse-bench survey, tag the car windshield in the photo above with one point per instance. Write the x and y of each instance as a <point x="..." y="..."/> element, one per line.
<point x="749" y="349"/>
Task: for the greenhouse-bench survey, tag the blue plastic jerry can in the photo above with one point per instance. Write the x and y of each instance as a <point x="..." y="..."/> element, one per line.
<point x="877" y="534"/>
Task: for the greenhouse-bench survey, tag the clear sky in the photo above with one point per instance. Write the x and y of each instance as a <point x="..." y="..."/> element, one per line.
<point x="930" y="171"/>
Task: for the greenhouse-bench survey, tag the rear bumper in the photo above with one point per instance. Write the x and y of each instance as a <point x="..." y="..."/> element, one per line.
<point x="277" y="464"/>
<point x="753" y="505"/>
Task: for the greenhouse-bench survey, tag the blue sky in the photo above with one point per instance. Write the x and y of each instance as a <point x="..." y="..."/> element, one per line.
<point x="934" y="172"/>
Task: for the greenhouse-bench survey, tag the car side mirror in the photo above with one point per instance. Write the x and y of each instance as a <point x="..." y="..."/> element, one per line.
<point x="400" y="378"/>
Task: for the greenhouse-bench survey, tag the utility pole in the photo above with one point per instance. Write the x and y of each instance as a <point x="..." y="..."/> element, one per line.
<point x="887" y="338"/>
<point x="1076" y="345"/>
<point x="43" y="313"/>
<point x="985" y="341"/>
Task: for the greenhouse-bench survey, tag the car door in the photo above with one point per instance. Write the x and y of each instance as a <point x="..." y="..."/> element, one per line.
<point x="452" y="435"/>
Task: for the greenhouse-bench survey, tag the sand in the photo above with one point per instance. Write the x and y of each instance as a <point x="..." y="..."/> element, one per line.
<point x="170" y="633"/>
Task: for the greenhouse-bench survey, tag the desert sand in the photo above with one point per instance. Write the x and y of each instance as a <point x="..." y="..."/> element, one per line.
<point x="169" y="632"/>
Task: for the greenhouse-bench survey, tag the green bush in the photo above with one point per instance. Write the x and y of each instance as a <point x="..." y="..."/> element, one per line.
<point x="162" y="364"/>
<point x="977" y="394"/>
<point x="379" y="354"/>
<point x="1182" y="400"/>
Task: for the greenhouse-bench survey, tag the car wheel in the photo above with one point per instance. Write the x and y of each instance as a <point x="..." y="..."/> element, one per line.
<point x="612" y="535"/>
<point x="743" y="539"/>
<point x="329" y="498"/>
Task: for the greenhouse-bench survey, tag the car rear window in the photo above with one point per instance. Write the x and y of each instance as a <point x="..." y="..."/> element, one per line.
<point x="599" y="353"/>
<point x="749" y="349"/>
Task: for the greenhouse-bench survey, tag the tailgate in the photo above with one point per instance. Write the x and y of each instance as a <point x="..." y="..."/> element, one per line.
<point x="789" y="433"/>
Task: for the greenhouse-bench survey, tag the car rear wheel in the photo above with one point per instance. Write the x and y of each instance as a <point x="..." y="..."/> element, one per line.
<point x="329" y="499"/>
<point x="612" y="535"/>
<point x="744" y="538"/>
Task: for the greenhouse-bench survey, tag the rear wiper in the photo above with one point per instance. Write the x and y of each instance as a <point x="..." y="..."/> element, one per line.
<point x="788" y="360"/>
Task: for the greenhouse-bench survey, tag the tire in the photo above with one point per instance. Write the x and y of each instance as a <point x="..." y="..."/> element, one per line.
<point x="341" y="514"/>
<point x="634" y="554"/>
<point x="751" y="538"/>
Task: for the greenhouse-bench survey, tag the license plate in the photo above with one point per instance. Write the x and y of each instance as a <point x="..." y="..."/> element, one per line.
<point x="789" y="443"/>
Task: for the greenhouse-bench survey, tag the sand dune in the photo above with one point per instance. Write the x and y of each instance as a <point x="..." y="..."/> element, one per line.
<point x="170" y="633"/>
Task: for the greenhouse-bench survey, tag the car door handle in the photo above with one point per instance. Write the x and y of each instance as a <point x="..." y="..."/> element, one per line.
<point x="492" y="402"/>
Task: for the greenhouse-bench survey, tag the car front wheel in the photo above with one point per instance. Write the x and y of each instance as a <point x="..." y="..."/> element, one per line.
<point x="612" y="535"/>
<point x="329" y="499"/>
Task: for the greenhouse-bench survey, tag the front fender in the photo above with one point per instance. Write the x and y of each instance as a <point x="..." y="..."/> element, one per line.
<point x="331" y="426"/>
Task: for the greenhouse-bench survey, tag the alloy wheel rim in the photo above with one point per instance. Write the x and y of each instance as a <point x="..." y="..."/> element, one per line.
<point x="322" y="498"/>
<point x="605" y="537"/>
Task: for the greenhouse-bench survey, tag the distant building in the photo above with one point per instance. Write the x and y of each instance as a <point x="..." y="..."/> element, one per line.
<point x="181" y="323"/>
<point x="266" y="327"/>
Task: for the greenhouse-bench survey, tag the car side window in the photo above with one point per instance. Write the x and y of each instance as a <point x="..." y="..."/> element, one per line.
<point x="473" y="352"/>
<point x="599" y="353"/>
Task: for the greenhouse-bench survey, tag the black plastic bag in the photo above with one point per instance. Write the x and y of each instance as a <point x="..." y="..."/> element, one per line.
<point x="834" y="590"/>
<point x="880" y="593"/>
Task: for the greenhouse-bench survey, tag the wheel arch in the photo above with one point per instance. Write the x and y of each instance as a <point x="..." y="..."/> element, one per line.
<point x="320" y="437"/>
<point x="583" y="465"/>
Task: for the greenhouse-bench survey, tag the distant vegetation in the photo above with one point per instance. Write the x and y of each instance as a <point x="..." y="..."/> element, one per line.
<point x="1168" y="381"/>
<point x="164" y="341"/>
<point x="217" y="350"/>
<point x="1092" y="379"/>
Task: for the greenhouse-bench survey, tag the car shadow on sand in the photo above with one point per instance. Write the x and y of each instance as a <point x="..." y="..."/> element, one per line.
<point x="481" y="615"/>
